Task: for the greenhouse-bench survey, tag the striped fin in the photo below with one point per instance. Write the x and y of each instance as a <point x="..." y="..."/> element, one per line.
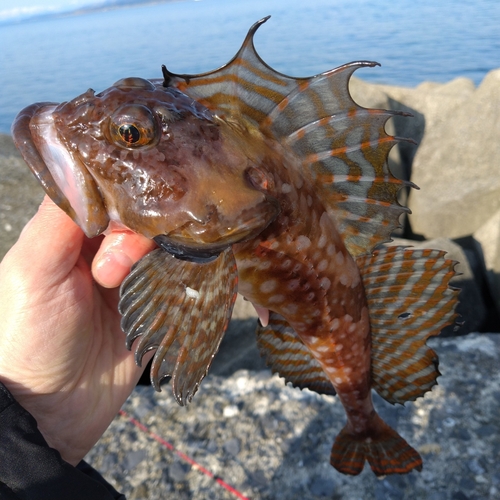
<point x="386" y="451"/>
<point x="342" y="146"/>
<point x="286" y="355"/>
<point x="410" y="300"/>
<point x="182" y="310"/>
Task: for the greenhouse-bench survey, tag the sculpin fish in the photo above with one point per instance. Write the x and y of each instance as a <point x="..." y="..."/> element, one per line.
<point x="275" y="187"/>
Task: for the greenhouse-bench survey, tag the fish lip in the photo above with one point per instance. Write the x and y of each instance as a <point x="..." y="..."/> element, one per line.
<point x="190" y="253"/>
<point x="25" y="142"/>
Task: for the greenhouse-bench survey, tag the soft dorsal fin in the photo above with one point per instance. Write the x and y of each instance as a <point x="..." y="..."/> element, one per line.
<point x="343" y="147"/>
<point x="409" y="299"/>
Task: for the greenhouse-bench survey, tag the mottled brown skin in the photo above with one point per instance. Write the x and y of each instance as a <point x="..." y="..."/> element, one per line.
<point x="299" y="267"/>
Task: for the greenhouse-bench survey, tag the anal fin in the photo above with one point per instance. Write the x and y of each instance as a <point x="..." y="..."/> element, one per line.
<point x="182" y="310"/>
<point x="287" y="355"/>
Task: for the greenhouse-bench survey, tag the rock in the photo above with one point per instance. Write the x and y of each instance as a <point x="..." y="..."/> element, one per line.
<point x="471" y="307"/>
<point x="238" y="349"/>
<point x="284" y="437"/>
<point x="487" y="238"/>
<point x="20" y="194"/>
<point x="456" y="166"/>
<point x="429" y="104"/>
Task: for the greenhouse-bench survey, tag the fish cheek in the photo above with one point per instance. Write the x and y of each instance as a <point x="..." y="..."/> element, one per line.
<point x="149" y="199"/>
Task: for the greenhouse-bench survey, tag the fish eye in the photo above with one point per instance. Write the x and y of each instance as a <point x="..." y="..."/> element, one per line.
<point x="133" y="126"/>
<point x="130" y="133"/>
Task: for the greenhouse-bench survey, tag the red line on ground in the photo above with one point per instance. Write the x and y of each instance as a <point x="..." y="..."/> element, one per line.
<point x="182" y="455"/>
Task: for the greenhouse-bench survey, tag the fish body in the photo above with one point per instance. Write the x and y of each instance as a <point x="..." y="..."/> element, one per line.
<point x="272" y="186"/>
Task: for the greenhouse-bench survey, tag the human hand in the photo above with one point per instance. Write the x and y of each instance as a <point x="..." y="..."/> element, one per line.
<point x="62" y="351"/>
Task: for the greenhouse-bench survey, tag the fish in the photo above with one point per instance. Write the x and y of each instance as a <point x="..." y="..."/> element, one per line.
<point x="267" y="185"/>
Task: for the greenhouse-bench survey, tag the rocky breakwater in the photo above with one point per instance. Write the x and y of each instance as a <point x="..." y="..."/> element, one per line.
<point x="456" y="165"/>
<point x="269" y="441"/>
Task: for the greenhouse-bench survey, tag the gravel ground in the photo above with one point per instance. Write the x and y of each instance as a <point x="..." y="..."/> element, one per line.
<point x="270" y="441"/>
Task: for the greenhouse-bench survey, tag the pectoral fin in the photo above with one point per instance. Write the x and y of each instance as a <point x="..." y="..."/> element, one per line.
<point x="182" y="310"/>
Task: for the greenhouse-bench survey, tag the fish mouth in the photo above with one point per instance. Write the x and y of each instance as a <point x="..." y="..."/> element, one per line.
<point x="196" y="243"/>
<point x="61" y="175"/>
<point x="197" y="254"/>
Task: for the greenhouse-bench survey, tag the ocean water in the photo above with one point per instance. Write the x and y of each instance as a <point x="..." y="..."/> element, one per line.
<point x="55" y="59"/>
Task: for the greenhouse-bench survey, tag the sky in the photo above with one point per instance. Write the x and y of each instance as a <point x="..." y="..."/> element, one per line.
<point x="10" y="9"/>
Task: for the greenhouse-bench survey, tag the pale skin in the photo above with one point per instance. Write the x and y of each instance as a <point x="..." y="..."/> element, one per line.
<point x="62" y="352"/>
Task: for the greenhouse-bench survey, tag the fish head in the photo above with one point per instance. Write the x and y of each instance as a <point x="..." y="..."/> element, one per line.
<point x="150" y="158"/>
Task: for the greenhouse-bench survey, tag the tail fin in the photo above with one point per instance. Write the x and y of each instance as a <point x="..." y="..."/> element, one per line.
<point x="386" y="451"/>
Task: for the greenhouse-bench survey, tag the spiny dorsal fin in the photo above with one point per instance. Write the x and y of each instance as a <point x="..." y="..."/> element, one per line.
<point x="286" y="355"/>
<point x="409" y="300"/>
<point x="181" y="309"/>
<point x="343" y="147"/>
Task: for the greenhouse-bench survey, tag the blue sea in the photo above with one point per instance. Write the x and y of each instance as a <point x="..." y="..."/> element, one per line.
<point x="56" y="58"/>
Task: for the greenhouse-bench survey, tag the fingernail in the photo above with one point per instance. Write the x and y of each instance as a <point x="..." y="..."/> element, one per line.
<point x="111" y="268"/>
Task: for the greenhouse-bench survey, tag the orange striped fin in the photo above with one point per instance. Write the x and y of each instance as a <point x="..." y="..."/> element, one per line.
<point x="286" y="355"/>
<point x="409" y="300"/>
<point x="181" y="309"/>
<point x="343" y="147"/>
<point x="386" y="451"/>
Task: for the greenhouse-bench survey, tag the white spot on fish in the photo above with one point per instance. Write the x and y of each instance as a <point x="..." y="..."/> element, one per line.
<point x="302" y="242"/>
<point x="192" y="293"/>
<point x="355" y="281"/>
<point x="291" y="308"/>
<point x="322" y="265"/>
<point x="322" y="241"/>
<point x="286" y="188"/>
<point x="325" y="283"/>
<point x="335" y="325"/>
<point x="268" y="286"/>
<point x="323" y="348"/>
<point x="344" y="279"/>
<point x="276" y="299"/>
<point x="339" y="258"/>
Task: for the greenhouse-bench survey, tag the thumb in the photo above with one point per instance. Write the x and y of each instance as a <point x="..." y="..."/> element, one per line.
<point x="49" y="244"/>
